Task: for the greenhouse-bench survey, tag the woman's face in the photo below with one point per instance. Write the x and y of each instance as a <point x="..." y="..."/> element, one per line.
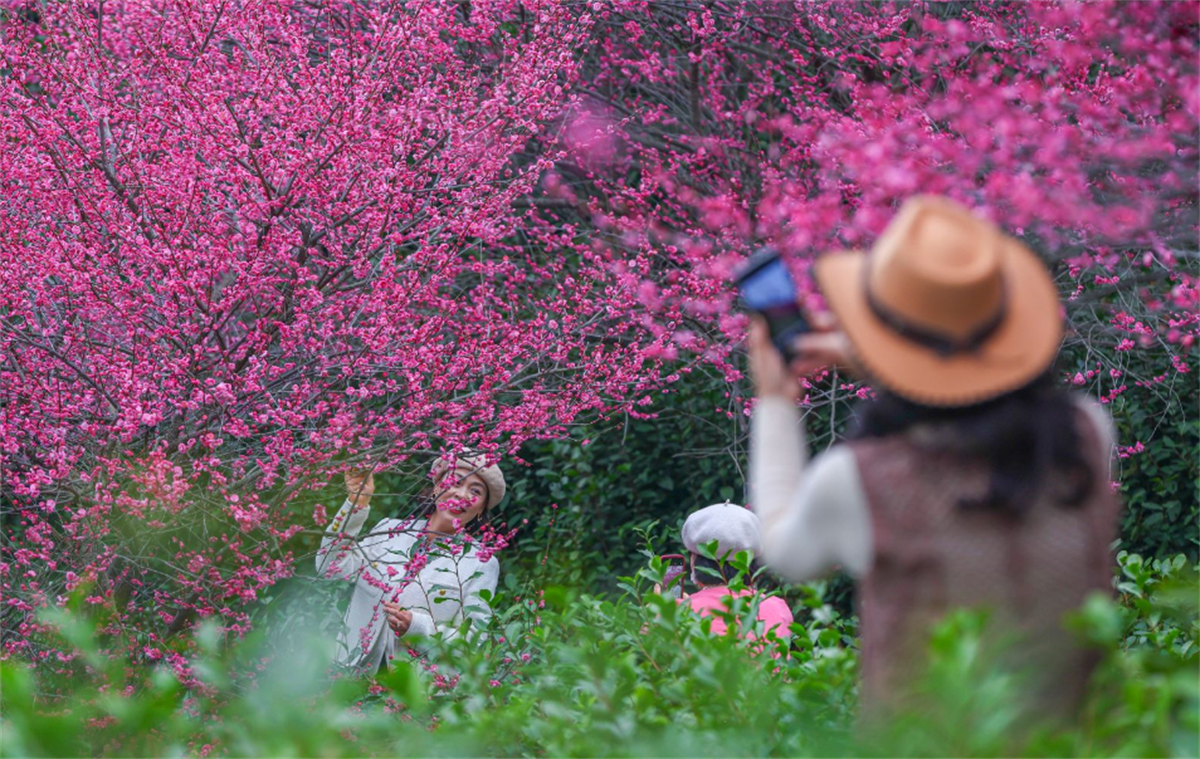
<point x="461" y="497"/>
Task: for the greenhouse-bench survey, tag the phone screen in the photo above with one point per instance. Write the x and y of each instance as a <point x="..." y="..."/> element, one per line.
<point x="766" y="286"/>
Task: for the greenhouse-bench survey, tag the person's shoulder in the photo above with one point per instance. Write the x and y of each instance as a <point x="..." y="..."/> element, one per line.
<point x="391" y="530"/>
<point x="842" y="454"/>
<point x="840" y="462"/>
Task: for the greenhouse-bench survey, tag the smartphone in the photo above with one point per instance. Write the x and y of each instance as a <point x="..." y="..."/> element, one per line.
<point x="673" y="579"/>
<point x="765" y="286"/>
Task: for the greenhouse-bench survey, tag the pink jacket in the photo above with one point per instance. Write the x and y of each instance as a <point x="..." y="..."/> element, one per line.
<point x="773" y="612"/>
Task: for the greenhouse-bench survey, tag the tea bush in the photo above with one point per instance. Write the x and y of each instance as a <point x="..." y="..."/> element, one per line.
<point x="567" y="673"/>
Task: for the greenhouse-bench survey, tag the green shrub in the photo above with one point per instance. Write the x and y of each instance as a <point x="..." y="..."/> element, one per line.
<point x="572" y="674"/>
<point x="1161" y="484"/>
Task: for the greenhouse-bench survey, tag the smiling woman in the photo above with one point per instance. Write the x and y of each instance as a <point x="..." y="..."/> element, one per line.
<point x="413" y="577"/>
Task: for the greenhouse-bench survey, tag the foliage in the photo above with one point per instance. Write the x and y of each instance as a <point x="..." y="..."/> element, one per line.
<point x="1160" y="481"/>
<point x="574" y="674"/>
<point x="651" y="473"/>
<point x="590" y="503"/>
<point x="718" y="127"/>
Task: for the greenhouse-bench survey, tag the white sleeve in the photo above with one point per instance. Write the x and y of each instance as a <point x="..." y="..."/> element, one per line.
<point x="813" y="517"/>
<point x="340" y="556"/>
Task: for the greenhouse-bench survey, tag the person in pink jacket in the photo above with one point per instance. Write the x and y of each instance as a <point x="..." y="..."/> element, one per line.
<point x="735" y="529"/>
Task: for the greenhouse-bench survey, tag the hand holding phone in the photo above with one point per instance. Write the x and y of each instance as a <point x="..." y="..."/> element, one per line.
<point x="766" y="287"/>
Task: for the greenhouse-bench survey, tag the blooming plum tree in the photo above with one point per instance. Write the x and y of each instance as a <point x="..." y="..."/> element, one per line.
<point x="718" y="127"/>
<point x="249" y="245"/>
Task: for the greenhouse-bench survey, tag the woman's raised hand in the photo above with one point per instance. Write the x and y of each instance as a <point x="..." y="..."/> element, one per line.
<point x="360" y="486"/>
<point x="767" y="371"/>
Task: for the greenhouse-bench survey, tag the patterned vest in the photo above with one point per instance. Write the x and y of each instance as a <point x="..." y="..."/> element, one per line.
<point x="931" y="555"/>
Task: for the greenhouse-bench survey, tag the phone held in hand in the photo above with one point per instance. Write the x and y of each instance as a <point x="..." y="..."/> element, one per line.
<point x="673" y="579"/>
<point x="766" y="287"/>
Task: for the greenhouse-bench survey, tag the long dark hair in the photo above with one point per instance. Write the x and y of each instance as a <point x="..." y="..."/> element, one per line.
<point x="1028" y="439"/>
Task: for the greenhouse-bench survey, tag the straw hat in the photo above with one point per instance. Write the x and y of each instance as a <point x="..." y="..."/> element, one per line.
<point x="468" y="463"/>
<point x="945" y="310"/>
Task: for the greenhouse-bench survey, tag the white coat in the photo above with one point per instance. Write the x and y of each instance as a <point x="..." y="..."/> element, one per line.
<point x="441" y="596"/>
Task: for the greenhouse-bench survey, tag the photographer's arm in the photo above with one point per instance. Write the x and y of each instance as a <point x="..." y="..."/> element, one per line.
<point x="813" y="516"/>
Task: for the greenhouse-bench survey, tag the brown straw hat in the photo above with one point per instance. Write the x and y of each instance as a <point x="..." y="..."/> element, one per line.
<point x="945" y="310"/>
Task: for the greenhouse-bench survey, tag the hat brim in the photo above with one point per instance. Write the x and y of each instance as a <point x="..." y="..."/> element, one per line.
<point x="1022" y="347"/>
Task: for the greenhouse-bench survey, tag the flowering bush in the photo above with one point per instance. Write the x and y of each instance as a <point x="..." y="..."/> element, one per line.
<point x="743" y="123"/>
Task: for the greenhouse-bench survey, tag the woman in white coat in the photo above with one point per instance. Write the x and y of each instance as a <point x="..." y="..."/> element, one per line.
<point x="413" y="577"/>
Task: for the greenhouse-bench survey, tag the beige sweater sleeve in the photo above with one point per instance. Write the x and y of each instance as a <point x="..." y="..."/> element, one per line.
<point x="814" y="515"/>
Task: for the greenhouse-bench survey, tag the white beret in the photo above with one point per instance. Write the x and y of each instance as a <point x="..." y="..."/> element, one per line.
<point x="735" y="528"/>
<point x="468" y="463"/>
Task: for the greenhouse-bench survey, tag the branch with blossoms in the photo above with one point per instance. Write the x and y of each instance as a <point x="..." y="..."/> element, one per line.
<point x="709" y="129"/>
